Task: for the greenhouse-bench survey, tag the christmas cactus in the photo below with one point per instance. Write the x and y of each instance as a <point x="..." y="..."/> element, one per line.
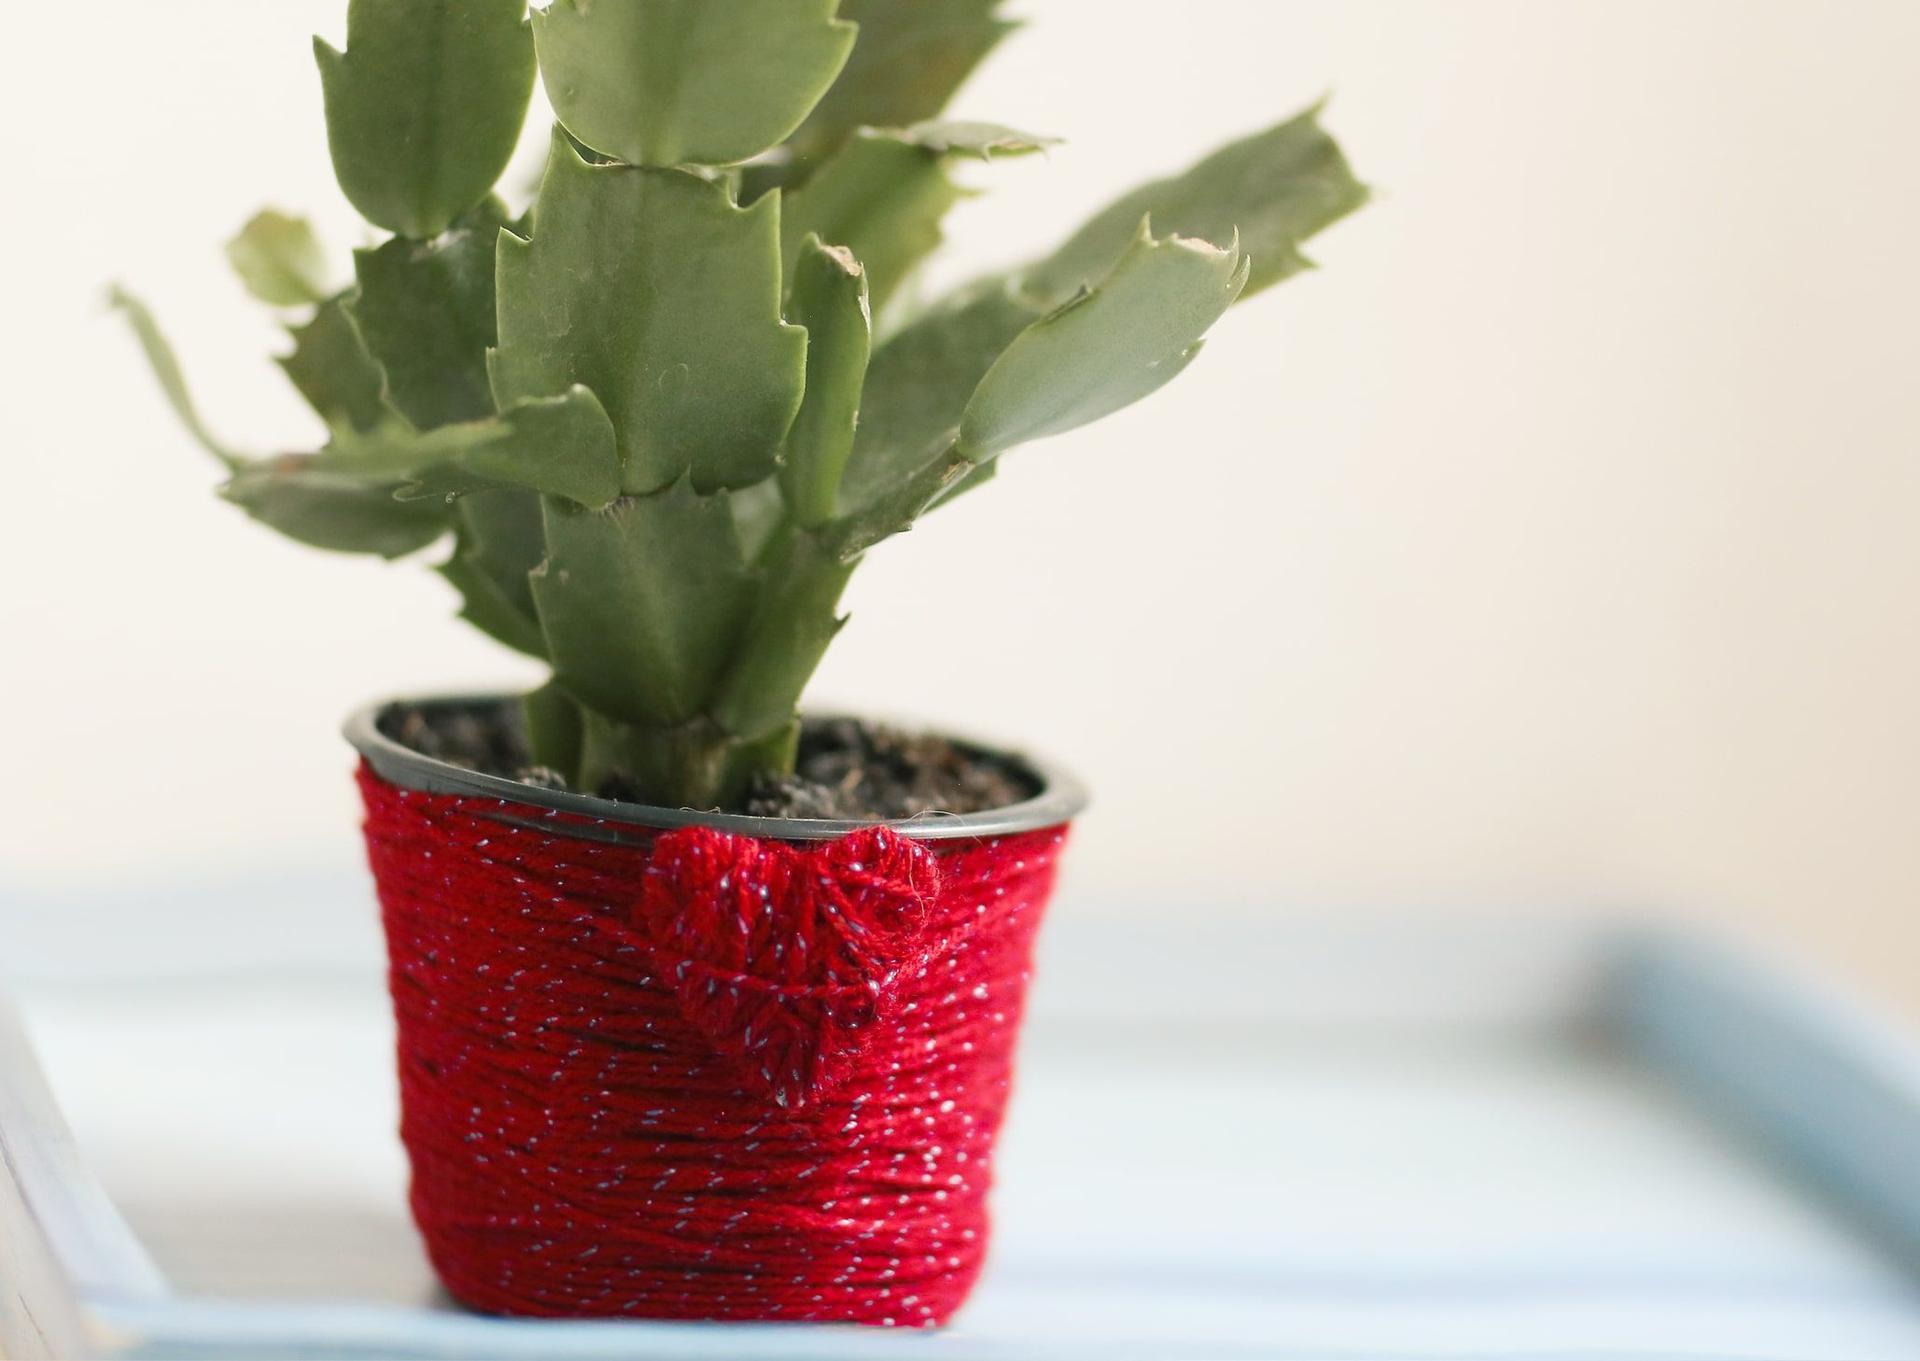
<point x="662" y="412"/>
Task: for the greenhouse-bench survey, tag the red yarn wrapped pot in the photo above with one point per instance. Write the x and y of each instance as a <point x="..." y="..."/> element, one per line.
<point x="662" y="1064"/>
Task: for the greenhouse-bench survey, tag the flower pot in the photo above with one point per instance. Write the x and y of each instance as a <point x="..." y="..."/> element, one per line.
<point x="657" y="1063"/>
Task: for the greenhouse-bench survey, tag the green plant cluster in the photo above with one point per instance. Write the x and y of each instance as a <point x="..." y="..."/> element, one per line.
<point x="663" y="412"/>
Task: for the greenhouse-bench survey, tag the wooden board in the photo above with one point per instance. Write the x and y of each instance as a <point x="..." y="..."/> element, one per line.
<point x="1364" y="1142"/>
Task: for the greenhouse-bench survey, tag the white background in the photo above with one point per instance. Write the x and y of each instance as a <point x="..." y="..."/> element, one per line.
<point x="1553" y="548"/>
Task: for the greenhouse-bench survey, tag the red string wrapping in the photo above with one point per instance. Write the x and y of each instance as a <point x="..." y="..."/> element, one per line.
<point x="710" y="1077"/>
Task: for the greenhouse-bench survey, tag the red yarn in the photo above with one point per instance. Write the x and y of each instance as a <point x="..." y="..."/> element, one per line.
<point x="710" y="1077"/>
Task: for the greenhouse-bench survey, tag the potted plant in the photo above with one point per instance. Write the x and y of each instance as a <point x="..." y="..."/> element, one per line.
<point x="705" y="1010"/>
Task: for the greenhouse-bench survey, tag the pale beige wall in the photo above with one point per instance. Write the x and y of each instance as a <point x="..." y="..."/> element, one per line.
<point x="1554" y="547"/>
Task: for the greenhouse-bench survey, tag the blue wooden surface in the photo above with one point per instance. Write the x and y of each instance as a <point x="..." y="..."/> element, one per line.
<point x="1827" y="1086"/>
<point x="1453" y="1116"/>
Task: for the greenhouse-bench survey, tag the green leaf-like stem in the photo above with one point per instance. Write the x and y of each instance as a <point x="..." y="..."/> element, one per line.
<point x="1273" y="190"/>
<point x="331" y="368"/>
<point x="679" y="82"/>
<point x="909" y="58"/>
<point x="653" y="289"/>
<point x="555" y="728"/>
<point x="424" y="310"/>
<point x="425" y="106"/>
<point x="499" y="538"/>
<point x="793" y="621"/>
<point x="1106" y="349"/>
<point x="883" y="194"/>
<point x="166" y="371"/>
<point x="1099" y="352"/>
<point x="654" y="413"/>
<point x="695" y="764"/>
<point x="641" y="603"/>
<point x="562" y="446"/>
<point x="339" y="512"/>
<point x="279" y="259"/>
<point x="830" y="300"/>
<point x="295" y="494"/>
<point x="919" y="382"/>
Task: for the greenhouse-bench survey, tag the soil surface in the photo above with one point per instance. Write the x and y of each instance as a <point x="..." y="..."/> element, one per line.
<point x="845" y="768"/>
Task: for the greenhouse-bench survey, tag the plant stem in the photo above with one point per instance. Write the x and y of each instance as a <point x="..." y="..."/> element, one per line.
<point x="553" y="720"/>
<point x="792" y="623"/>
<point x="696" y="764"/>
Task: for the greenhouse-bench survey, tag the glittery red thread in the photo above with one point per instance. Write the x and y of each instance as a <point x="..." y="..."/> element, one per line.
<point x="708" y="1077"/>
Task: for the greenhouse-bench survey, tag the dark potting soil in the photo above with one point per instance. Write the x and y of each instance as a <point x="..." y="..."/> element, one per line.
<point x="845" y="768"/>
<point x="850" y="769"/>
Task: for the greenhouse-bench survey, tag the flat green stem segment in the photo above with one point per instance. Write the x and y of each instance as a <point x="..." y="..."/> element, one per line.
<point x="1108" y="348"/>
<point x="902" y="502"/>
<point x="919" y="382"/>
<point x="1102" y="351"/>
<point x="425" y="106"/>
<point x="342" y="513"/>
<point x="279" y="259"/>
<point x="830" y="300"/>
<point x="1274" y="189"/>
<point x="332" y="369"/>
<point x="687" y="82"/>
<point x="792" y="624"/>
<point x="296" y="494"/>
<point x="653" y="289"/>
<point x="425" y="312"/>
<point x="910" y="57"/>
<point x="882" y="195"/>
<point x="166" y="371"/>
<point x="499" y="538"/>
<point x="642" y="603"/>
<point x="973" y="139"/>
<point x="559" y="445"/>
<point x="563" y="446"/>
<point x="555" y="728"/>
